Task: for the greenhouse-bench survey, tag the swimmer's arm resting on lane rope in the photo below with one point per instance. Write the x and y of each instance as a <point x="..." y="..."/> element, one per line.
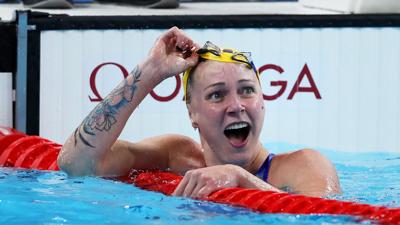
<point x="92" y="148"/>
<point x="174" y="152"/>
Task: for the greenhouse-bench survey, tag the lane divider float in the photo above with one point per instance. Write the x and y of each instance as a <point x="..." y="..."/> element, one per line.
<point x="34" y="152"/>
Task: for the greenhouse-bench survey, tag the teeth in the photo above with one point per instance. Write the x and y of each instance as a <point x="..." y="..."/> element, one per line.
<point x="236" y="126"/>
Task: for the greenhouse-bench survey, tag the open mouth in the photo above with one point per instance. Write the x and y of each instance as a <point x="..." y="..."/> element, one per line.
<point x="237" y="133"/>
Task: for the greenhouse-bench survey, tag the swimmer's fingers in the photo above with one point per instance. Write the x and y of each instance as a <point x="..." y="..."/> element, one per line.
<point x="182" y="40"/>
<point x="192" y="60"/>
<point x="190" y="186"/>
<point x="202" y="190"/>
<point x="200" y="183"/>
<point x="180" y="188"/>
<point x="185" y="187"/>
<point x="187" y="59"/>
<point x="170" y="45"/>
<point x="183" y="64"/>
<point x="182" y="43"/>
<point x="171" y="33"/>
<point x="205" y="191"/>
<point x="206" y="183"/>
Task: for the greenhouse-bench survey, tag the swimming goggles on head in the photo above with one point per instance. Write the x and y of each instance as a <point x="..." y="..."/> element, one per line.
<point x="212" y="52"/>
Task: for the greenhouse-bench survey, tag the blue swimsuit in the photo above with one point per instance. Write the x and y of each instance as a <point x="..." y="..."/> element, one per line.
<point x="262" y="173"/>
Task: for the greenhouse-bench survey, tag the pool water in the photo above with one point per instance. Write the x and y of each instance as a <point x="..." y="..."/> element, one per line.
<point x="39" y="197"/>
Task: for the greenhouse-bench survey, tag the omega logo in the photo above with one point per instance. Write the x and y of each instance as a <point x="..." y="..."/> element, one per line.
<point x="305" y="73"/>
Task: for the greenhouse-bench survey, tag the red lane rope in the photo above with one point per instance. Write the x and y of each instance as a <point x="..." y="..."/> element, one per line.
<point x="32" y="152"/>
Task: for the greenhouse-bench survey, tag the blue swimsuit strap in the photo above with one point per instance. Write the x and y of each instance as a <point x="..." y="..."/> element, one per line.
<point x="262" y="173"/>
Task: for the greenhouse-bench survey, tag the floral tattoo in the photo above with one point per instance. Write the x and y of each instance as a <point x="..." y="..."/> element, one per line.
<point x="102" y="117"/>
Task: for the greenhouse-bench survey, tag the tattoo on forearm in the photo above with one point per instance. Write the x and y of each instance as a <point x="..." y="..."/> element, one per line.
<point x="103" y="115"/>
<point x="84" y="140"/>
<point x="75" y="132"/>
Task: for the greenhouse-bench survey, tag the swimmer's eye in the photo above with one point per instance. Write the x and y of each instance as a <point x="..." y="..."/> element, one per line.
<point x="248" y="91"/>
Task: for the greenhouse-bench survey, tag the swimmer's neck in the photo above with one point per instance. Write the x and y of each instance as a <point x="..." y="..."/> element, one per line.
<point x="251" y="166"/>
<point x="258" y="160"/>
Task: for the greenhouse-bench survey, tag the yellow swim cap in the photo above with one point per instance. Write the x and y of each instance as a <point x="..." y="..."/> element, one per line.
<point x="213" y="52"/>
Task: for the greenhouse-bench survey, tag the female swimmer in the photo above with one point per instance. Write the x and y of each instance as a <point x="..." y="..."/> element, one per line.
<point x="225" y="103"/>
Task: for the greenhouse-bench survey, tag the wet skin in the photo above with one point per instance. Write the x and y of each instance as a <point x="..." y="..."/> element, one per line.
<point x="227" y="107"/>
<point x="224" y="94"/>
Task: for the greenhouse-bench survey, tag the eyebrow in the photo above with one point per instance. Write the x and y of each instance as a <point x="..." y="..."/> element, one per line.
<point x="215" y="85"/>
<point x="223" y="84"/>
<point x="246" y="80"/>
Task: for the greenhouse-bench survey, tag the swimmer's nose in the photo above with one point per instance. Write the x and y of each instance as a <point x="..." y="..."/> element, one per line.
<point x="235" y="105"/>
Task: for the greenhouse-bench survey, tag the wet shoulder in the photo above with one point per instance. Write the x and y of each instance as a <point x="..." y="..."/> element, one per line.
<point x="289" y="168"/>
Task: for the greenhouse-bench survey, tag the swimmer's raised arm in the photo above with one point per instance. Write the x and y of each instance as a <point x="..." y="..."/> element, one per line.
<point x="90" y="148"/>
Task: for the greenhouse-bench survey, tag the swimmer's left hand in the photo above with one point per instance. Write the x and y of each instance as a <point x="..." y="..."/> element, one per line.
<point x="200" y="183"/>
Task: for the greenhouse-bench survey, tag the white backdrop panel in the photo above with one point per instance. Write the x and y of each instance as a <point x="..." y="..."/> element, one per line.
<point x="355" y="70"/>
